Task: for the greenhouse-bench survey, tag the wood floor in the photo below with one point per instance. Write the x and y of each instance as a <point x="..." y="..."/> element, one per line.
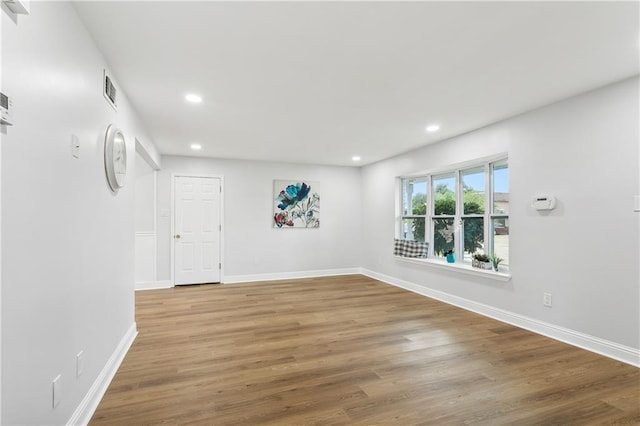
<point x="351" y="350"/>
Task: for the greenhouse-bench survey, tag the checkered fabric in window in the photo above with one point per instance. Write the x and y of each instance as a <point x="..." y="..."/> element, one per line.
<point x="407" y="248"/>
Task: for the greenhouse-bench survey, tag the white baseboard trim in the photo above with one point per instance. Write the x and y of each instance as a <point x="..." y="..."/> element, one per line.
<point x="153" y="285"/>
<point x="233" y="279"/>
<point x="600" y="346"/>
<point x="87" y="407"/>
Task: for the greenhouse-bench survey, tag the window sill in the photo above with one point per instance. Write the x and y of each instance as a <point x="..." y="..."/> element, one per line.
<point x="458" y="267"/>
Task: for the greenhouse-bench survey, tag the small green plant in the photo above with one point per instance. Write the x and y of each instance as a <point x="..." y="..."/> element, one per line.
<point x="495" y="261"/>
<point x="480" y="260"/>
<point x="448" y="252"/>
<point x="481" y="257"/>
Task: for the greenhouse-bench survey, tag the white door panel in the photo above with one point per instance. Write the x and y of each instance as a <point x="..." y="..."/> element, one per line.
<point x="197" y="230"/>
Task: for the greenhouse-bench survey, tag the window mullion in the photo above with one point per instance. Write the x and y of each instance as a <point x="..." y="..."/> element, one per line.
<point x="429" y="214"/>
<point x="400" y="207"/>
<point x="488" y="209"/>
<point x="458" y="225"/>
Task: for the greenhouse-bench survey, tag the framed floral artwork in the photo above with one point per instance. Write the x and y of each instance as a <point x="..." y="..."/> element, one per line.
<point x="296" y="204"/>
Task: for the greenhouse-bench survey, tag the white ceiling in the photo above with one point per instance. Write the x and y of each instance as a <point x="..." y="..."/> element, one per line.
<point x="319" y="82"/>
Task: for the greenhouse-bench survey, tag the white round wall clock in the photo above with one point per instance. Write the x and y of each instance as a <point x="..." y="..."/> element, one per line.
<point x="115" y="157"/>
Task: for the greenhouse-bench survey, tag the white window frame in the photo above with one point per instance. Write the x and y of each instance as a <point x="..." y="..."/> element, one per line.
<point x="488" y="203"/>
<point x="402" y="216"/>
<point x="456" y="170"/>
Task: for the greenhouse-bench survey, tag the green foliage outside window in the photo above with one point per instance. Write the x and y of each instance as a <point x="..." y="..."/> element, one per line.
<point x="445" y="204"/>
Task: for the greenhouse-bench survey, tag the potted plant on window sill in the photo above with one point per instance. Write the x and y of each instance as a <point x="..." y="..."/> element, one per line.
<point x="450" y="256"/>
<point x="481" y="260"/>
<point x="495" y="262"/>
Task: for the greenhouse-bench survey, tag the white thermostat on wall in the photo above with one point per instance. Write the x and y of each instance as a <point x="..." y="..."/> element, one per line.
<point x="543" y="202"/>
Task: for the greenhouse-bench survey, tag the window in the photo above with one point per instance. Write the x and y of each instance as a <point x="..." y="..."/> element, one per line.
<point x="414" y="209"/>
<point x="444" y="210"/>
<point x="474" y="200"/>
<point x="465" y="210"/>
<point x="500" y="211"/>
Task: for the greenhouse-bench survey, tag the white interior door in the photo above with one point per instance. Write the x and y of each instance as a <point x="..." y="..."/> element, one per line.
<point x="197" y="230"/>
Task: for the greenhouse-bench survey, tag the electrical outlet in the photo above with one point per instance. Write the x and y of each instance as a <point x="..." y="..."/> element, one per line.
<point x="75" y="146"/>
<point x="79" y="363"/>
<point x="57" y="390"/>
<point x="547" y="300"/>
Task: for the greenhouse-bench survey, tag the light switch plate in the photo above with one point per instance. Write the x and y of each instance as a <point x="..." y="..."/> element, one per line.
<point x="57" y="390"/>
<point x="79" y="363"/>
<point x="636" y="204"/>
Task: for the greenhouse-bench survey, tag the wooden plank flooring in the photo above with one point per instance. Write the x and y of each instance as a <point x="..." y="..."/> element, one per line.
<point x="350" y="350"/>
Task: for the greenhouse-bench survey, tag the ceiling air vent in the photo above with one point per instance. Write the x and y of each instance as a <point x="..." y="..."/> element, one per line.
<point x="5" y="109"/>
<point x="110" y="91"/>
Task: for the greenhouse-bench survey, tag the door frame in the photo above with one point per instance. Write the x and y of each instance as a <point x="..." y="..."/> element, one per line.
<point x="174" y="177"/>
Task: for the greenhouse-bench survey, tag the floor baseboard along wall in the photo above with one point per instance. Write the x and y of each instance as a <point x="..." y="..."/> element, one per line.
<point x="600" y="346"/>
<point x="82" y="415"/>
<point x="234" y="279"/>
<point x="153" y="285"/>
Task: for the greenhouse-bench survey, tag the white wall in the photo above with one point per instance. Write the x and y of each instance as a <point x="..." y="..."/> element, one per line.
<point x="145" y="196"/>
<point x="147" y="150"/>
<point x="2" y="133"/>
<point x="145" y="217"/>
<point x="67" y="241"/>
<point x="583" y="150"/>
<point x="252" y="248"/>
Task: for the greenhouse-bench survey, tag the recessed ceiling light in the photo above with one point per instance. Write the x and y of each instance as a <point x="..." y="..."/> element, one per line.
<point x="355" y="158"/>
<point x="192" y="97"/>
<point x="433" y="128"/>
<point x="196" y="146"/>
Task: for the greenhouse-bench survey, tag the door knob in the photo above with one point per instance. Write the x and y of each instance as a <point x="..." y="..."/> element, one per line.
<point x="177" y="236"/>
